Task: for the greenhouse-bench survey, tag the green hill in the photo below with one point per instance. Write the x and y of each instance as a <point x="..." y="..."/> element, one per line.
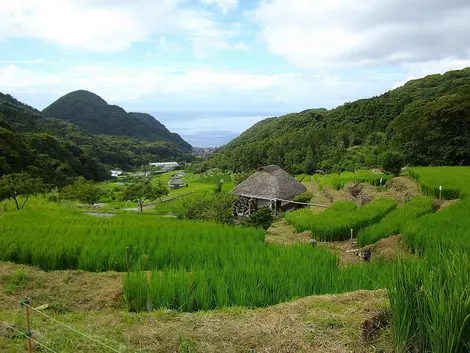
<point x="26" y="147"/>
<point x="90" y="112"/>
<point x="428" y="120"/>
<point x="58" y="151"/>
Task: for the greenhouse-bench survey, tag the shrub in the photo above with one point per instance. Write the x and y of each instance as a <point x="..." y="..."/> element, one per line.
<point x="82" y="190"/>
<point x="143" y="191"/>
<point x="262" y="218"/>
<point x="304" y="197"/>
<point x="238" y="178"/>
<point x="393" y="162"/>
<point x="216" y="207"/>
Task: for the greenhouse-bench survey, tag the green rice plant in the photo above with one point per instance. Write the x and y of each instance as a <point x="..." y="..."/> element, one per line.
<point x="365" y="176"/>
<point x="454" y="181"/>
<point x="182" y="265"/>
<point x="430" y="295"/>
<point x="301" y="177"/>
<point x="448" y="229"/>
<point x="336" y="222"/>
<point x="430" y="302"/>
<point x="135" y="291"/>
<point x="332" y="180"/>
<point x="337" y="181"/>
<point x="343" y="206"/>
<point x="98" y="244"/>
<point x="278" y="274"/>
<point x="394" y="222"/>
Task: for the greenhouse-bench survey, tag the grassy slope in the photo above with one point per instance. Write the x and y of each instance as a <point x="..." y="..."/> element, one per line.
<point x="195" y="185"/>
<point x="92" y="303"/>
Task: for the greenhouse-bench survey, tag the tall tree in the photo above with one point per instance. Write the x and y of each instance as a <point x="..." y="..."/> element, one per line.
<point x="19" y="185"/>
<point x="143" y="191"/>
<point x="85" y="191"/>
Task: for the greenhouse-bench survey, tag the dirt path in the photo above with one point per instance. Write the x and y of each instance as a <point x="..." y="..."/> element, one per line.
<point x="282" y="233"/>
<point x="145" y="207"/>
<point x="385" y="249"/>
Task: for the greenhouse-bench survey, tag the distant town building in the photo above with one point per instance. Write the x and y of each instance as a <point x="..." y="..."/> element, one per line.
<point x="165" y="166"/>
<point x="115" y="173"/>
<point x="204" y="151"/>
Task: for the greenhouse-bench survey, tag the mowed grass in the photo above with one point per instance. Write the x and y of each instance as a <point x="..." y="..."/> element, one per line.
<point x="336" y="222"/>
<point x="394" y="222"/>
<point x="176" y="264"/>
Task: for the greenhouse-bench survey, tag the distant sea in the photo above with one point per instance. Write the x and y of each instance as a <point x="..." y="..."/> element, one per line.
<point x="210" y="129"/>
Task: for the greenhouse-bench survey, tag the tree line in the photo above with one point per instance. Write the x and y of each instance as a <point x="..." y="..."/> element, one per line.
<point x="426" y="121"/>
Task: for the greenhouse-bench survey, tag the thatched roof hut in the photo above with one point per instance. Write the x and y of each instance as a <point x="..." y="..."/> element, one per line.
<point x="175" y="182"/>
<point x="270" y="183"/>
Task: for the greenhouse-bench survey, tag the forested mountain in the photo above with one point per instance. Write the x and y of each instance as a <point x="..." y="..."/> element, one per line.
<point x="24" y="146"/>
<point x="90" y="112"/>
<point x="428" y="120"/>
<point x="58" y="151"/>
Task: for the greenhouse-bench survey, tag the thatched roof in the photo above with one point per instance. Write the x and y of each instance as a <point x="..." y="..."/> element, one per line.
<point x="175" y="181"/>
<point x="271" y="183"/>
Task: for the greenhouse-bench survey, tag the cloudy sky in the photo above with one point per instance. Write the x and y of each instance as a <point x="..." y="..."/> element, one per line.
<point x="262" y="57"/>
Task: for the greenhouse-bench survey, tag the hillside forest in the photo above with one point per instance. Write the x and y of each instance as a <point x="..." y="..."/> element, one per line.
<point x="61" y="148"/>
<point x="427" y="120"/>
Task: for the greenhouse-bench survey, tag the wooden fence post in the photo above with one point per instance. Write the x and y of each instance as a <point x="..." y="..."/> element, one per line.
<point x="28" y="324"/>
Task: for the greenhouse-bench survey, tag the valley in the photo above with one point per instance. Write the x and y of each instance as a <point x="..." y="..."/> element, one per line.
<point x="342" y="230"/>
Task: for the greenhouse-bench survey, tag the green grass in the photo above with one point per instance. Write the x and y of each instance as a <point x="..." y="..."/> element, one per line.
<point x="249" y="279"/>
<point x="430" y="302"/>
<point x="193" y="189"/>
<point x="98" y="244"/>
<point x="302" y="177"/>
<point x="394" y="222"/>
<point x="430" y="296"/>
<point x="193" y="265"/>
<point x="454" y="181"/>
<point x="15" y="280"/>
<point x="337" y="181"/>
<point x="198" y="184"/>
<point x="336" y="222"/>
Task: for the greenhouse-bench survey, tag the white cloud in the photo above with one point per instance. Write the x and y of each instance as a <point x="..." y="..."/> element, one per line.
<point x="110" y="25"/>
<point x="190" y="88"/>
<point x="160" y="88"/>
<point x="418" y="70"/>
<point x="123" y="84"/>
<point x="361" y="33"/>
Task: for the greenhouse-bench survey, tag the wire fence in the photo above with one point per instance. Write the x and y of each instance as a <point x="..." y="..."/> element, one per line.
<point x="28" y="334"/>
